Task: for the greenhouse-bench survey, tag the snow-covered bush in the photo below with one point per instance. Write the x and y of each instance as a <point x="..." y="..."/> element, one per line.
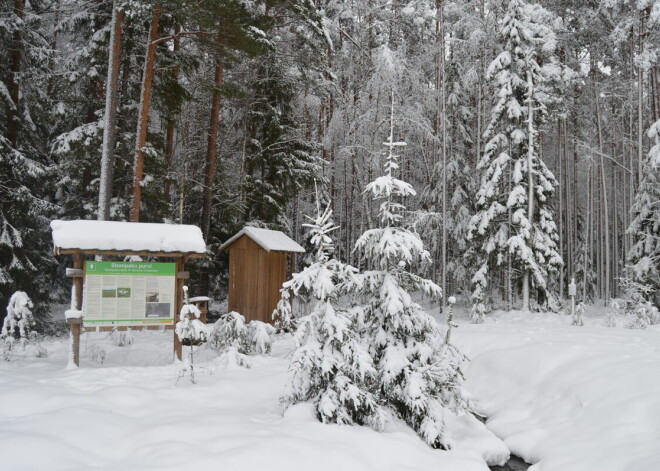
<point x="330" y="368"/>
<point x="616" y="311"/>
<point x="17" y="325"/>
<point x="418" y="375"/>
<point x="230" y="331"/>
<point x="576" y="320"/>
<point x="639" y="311"/>
<point x="261" y="337"/>
<point x="96" y="353"/>
<point x="121" y="338"/>
<point x="642" y="314"/>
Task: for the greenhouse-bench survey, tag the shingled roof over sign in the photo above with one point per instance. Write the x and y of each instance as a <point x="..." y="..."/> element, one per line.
<point x="269" y="240"/>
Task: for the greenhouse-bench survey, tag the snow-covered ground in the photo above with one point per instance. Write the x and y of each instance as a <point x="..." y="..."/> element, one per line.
<point x="566" y="398"/>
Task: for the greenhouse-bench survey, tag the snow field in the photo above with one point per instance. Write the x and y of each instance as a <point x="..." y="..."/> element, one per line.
<point x="568" y="398"/>
<point x="135" y="417"/>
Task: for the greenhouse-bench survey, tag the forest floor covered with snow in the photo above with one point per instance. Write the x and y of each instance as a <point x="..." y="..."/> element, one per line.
<point x="564" y="398"/>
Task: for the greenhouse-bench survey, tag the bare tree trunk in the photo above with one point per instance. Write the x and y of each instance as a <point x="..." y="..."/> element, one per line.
<point x="110" y="119"/>
<point x="143" y="113"/>
<point x="440" y="31"/>
<point x="171" y="124"/>
<point x="13" y="120"/>
<point x="560" y="219"/>
<point x="212" y="147"/>
<point x="605" y="228"/>
<point x="530" y="182"/>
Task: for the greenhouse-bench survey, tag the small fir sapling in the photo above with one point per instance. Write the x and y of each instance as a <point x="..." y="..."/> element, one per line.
<point x="190" y="330"/>
<point x="480" y="283"/>
<point x="18" y="324"/>
<point x="417" y="376"/>
<point x="330" y="368"/>
<point x="261" y="337"/>
<point x="450" y="318"/>
<point x="576" y="320"/>
<point x="283" y="315"/>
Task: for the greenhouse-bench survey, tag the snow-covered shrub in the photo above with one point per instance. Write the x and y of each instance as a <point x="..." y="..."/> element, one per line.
<point x="230" y="331"/>
<point x="639" y="310"/>
<point x="642" y="314"/>
<point x="17" y="325"/>
<point x="418" y="375"/>
<point x="330" y="367"/>
<point x="261" y="337"/>
<point x="576" y="320"/>
<point x="96" y="354"/>
<point x="616" y="311"/>
<point x="121" y="338"/>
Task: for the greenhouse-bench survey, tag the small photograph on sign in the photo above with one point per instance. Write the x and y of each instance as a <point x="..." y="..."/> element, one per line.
<point x="153" y="296"/>
<point x="108" y="293"/>
<point x="123" y="292"/>
<point x="158" y="309"/>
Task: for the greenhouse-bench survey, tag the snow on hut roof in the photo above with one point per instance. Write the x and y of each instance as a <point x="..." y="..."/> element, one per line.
<point x="127" y="237"/>
<point x="268" y="240"/>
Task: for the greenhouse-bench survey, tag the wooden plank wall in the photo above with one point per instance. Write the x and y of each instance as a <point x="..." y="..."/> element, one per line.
<point x="255" y="279"/>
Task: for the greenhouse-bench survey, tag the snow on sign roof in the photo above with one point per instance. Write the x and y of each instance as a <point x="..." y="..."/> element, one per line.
<point x="268" y="240"/>
<point x="127" y="237"/>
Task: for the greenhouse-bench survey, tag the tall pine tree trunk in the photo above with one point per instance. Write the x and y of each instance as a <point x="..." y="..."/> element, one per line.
<point x="605" y="228"/>
<point x="109" y="121"/>
<point x="212" y="141"/>
<point x="530" y="183"/>
<point x="143" y="113"/>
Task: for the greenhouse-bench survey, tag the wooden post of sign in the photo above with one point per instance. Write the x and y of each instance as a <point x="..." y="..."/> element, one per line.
<point x="76" y="303"/>
<point x="180" y="281"/>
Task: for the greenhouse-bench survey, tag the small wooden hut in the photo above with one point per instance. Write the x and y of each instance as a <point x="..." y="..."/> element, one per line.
<point x="258" y="261"/>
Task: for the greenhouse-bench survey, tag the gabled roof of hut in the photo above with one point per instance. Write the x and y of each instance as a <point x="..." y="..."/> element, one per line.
<point x="270" y="241"/>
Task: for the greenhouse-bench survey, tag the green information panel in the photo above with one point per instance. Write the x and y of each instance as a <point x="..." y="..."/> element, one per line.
<point x="129" y="293"/>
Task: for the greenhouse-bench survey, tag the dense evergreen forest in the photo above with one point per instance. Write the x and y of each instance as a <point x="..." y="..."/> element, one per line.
<point x="532" y="132"/>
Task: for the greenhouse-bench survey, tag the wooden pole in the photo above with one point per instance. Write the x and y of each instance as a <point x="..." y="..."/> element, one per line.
<point x="76" y="303"/>
<point x="178" y="304"/>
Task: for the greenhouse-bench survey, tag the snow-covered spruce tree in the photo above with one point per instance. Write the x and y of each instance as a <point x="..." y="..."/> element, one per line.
<point x="644" y="255"/>
<point x="25" y="123"/>
<point x="514" y="217"/>
<point x="418" y="377"/>
<point x="330" y="367"/>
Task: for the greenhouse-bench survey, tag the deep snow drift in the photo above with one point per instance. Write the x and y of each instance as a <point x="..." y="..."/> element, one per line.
<point x="567" y="398"/>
